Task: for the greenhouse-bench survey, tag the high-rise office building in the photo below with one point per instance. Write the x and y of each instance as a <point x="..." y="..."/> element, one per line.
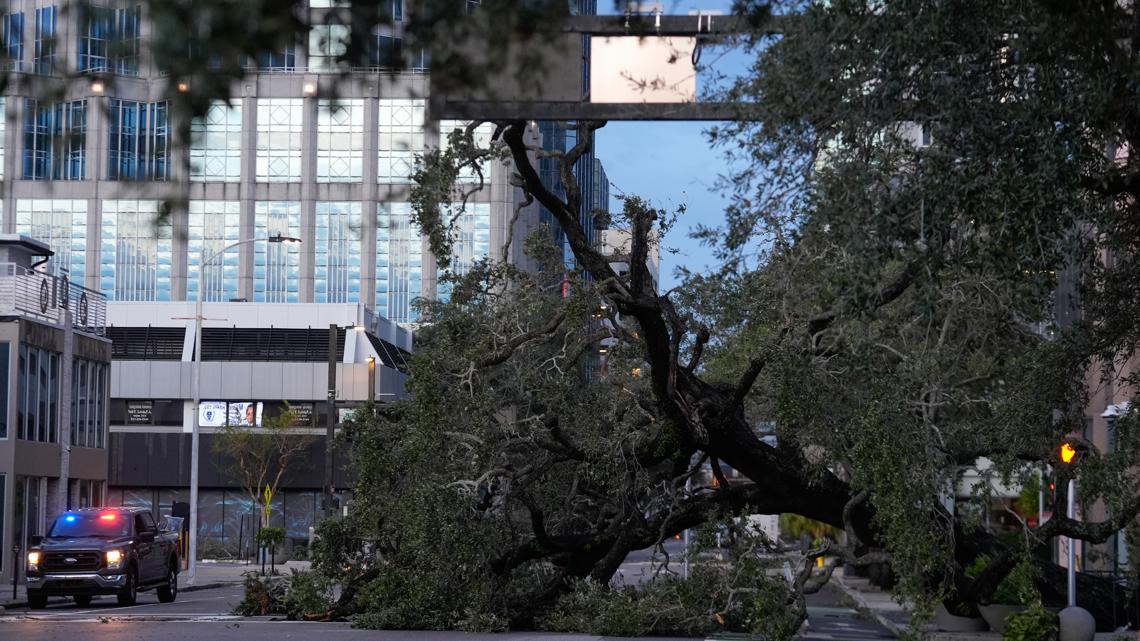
<point x="89" y="161"/>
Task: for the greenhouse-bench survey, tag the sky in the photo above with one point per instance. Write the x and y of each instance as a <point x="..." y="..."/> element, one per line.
<point x="670" y="164"/>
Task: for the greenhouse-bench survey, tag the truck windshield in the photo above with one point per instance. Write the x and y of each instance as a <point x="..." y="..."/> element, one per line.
<point x="104" y="524"/>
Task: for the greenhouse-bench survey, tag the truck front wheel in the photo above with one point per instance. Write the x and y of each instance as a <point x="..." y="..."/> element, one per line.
<point x="167" y="593"/>
<point x="129" y="594"/>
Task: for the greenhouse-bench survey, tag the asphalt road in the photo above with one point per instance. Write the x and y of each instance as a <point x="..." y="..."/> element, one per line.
<point x="206" y="614"/>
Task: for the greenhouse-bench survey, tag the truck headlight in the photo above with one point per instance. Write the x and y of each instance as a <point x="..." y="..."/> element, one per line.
<point x="33" y="560"/>
<point x="114" y="559"/>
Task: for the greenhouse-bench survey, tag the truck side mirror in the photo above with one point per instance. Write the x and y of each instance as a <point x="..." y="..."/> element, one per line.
<point x="35" y="539"/>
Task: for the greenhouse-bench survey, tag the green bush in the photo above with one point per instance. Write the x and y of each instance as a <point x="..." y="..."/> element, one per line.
<point x="1017" y="588"/>
<point x="295" y="596"/>
<point x="264" y="595"/>
<point x="307" y="593"/>
<point x="1033" y="624"/>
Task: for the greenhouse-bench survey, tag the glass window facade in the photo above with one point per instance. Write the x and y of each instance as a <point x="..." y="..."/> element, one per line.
<point x="62" y="224"/>
<point x="401" y="129"/>
<point x="12" y="25"/>
<point x="327" y="42"/>
<point x="340" y="140"/>
<point x="213" y="224"/>
<point x="276" y="266"/>
<point x="482" y="139"/>
<point x="338" y="247"/>
<point x="279" y="140"/>
<point x="37" y="389"/>
<point x="399" y="262"/>
<point x="136" y="253"/>
<point x="47" y="30"/>
<point x="109" y="40"/>
<point x="88" y="404"/>
<point x="472" y="240"/>
<point x="55" y="140"/>
<point x="138" y="144"/>
<point x="215" y="144"/>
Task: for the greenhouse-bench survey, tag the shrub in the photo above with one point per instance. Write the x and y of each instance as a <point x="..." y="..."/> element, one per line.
<point x="263" y="595"/>
<point x="1017" y="588"/>
<point x="1033" y="624"/>
<point x="306" y="594"/>
<point x="295" y="596"/>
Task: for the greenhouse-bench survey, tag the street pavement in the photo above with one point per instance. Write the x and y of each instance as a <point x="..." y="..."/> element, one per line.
<point x="206" y="614"/>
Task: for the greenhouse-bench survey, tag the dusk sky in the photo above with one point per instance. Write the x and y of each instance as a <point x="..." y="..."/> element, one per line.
<point x="670" y="164"/>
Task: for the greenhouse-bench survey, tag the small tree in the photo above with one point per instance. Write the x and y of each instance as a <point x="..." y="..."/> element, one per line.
<point x="257" y="457"/>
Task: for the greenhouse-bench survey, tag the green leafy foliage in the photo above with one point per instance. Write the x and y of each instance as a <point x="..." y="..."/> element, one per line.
<point x="1033" y="624"/>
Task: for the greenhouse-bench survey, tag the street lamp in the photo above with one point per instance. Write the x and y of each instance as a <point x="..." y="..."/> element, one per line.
<point x="204" y="260"/>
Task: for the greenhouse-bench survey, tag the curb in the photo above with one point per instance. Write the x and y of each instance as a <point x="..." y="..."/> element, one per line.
<point x="12" y="605"/>
<point x="891" y="626"/>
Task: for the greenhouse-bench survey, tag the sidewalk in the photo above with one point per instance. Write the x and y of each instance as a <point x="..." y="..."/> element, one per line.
<point x="881" y="605"/>
<point x="210" y="574"/>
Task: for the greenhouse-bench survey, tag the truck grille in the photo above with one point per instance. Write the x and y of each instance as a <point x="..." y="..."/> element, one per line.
<point x="59" y="561"/>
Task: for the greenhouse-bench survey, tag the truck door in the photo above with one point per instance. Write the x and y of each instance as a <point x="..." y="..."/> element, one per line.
<point x="146" y="549"/>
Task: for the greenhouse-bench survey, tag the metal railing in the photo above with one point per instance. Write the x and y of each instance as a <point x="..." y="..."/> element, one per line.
<point x="47" y="298"/>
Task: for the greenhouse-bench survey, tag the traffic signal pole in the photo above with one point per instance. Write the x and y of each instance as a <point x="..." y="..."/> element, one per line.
<point x="1071" y="513"/>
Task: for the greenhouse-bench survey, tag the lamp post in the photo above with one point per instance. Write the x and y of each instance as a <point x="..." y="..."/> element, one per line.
<point x="203" y="261"/>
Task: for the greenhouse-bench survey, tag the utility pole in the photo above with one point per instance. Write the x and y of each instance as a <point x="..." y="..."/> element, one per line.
<point x="65" y="368"/>
<point x="330" y="426"/>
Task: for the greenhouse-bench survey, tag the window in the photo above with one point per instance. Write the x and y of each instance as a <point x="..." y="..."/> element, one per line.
<point x="386" y="52"/>
<point x="340" y="141"/>
<point x="277" y="61"/>
<point x="399" y="262"/>
<point x="329" y="4"/>
<point x="327" y="43"/>
<point x="276" y="266"/>
<point x="136" y="253"/>
<point x="3" y="123"/>
<point x="401" y="126"/>
<point x="338" y="253"/>
<point x="472" y="239"/>
<point x="4" y="356"/>
<point x="137" y="147"/>
<point x="62" y="224"/>
<point x="37" y="386"/>
<point x="481" y="138"/>
<point x="215" y="147"/>
<point x="55" y="140"/>
<point x="3" y="511"/>
<point x="88" y="407"/>
<point x="47" y="28"/>
<point x="213" y="224"/>
<point x="13" y="43"/>
<point x="109" y="40"/>
<point x="279" y="140"/>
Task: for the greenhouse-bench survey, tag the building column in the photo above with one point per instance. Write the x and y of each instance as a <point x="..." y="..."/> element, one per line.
<point x="308" y="227"/>
<point x="248" y="189"/>
<point x="368" y="199"/>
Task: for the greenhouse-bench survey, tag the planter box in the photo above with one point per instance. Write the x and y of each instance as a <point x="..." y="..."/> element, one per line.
<point x="946" y="622"/>
<point x="995" y="615"/>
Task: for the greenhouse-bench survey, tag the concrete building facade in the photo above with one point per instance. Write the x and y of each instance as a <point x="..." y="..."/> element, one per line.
<point x="55" y="369"/>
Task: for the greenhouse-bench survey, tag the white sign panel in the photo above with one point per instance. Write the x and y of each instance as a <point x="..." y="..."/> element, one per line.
<point x="212" y="413"/>
<point x="245" y="414"/>
<point x="629" y="69"/>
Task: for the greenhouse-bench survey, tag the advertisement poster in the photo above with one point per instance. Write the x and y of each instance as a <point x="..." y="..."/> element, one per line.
<point x="245" y="414"/>
<point x="140" y="412"/>
<point x="212" y="413"/>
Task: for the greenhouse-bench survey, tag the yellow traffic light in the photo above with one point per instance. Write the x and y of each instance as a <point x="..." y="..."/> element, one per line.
<point x="1068" y="453"/>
